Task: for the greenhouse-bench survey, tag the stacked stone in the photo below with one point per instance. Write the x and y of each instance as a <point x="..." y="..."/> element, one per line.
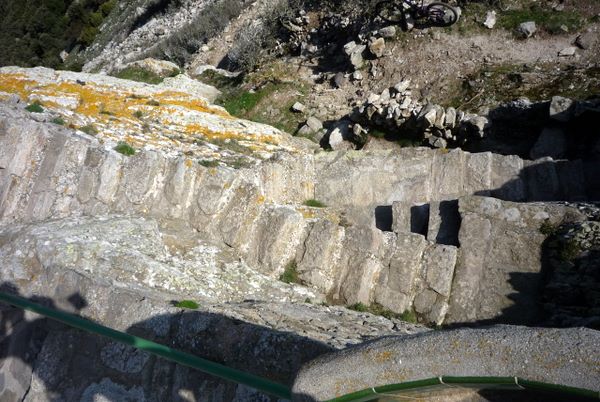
<point x="395" y="109"/>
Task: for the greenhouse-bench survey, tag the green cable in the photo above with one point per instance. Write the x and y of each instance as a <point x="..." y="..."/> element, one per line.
<point x="187" y="359"/>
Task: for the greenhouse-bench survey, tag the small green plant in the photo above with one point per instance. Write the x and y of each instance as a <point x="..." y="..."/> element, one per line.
<point x="409" y="316"/>
<point x="189" y="304"/>
<point x="314" y="203"/>
<point x="360" y="307"/>
<point x="209" y="162"/>
<point x="568" y="250"/>
<point x="548" y="229"/>
<point x="307" y="300"/>
<point x="89" y="129"/>
<point x="152" y="102"/>
<point x="290" y="274"/>
<point x="35" y="107"/>
<point x="59" y="121"/>
<point x="125" y="149"/>
<point x="138" y="114"/>
<point x="378" y="309"/>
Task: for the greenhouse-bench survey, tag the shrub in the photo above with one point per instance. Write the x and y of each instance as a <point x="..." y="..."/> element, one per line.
<point x="290" y="274"/>
<point x="180" y="48"/>
<point x="189" y="304"/>
<point x="125" y="149"/>
<point x="314" y="203"/>
<point x="35" y="107"/>
<point x="138" y="114"/>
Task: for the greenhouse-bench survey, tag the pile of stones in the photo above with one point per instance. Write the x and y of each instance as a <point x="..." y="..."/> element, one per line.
<point x="395" y="110"/>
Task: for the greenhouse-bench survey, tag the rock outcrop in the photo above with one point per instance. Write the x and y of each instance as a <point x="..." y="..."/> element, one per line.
<point x="217" y="209"/>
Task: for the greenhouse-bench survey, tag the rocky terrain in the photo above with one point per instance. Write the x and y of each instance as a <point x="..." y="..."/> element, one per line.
<point x="262" y="215"/>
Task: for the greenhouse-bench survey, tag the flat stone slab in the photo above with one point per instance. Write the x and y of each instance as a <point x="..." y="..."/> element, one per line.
<point x="556" y="356"/>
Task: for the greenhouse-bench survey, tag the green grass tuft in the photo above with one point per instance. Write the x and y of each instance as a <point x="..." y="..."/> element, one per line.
<point x="189" y="304"/>
<point x="378" y="309"/>
<point x="138" y="114"/>
<point x="35" y="107"/>
<point x="290" y="274"/>
<point x="140" y="75"/>
<point x="314" y="203"/>
<point x="208" y="162"/>
<point x="59" y="121"/>
<point x="125" y="149"/>
<point x="89" y="129"/>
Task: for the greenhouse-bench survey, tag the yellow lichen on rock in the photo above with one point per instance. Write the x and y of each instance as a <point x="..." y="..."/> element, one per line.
<point x="147" y="116"/>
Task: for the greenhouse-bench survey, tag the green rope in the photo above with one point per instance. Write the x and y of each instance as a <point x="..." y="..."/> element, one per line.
<point x="187" y="359"/>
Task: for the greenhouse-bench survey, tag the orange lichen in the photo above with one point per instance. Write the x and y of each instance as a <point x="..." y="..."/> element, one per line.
<point x="125" y="115"/>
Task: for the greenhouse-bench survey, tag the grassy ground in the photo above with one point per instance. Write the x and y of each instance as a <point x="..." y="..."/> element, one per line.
<point x="492" y="85"/>
<point x="265" y="96"/>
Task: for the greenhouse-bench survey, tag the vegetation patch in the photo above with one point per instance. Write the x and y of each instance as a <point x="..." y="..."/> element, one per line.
<point x="125" y="149"/>
<point x="89" y="129"/>
<point x="209" y="162"/>
<point x="265" y="96"/>
<point x="33" y="32"/>
<point x="568" y="250"/>
<point x="138" y="114"/>
<point x="548" y="229"/>
<point x="290" y="274"/>
<point x="188" y="304"/>
<point x="378" y="309"/>
<point x="59" y="121"/>
<point x="545" y="19"/>
<point x="314" y="203"/>
<point x="492" y="85"/>
<point x="140" y="75"/>
<point x="35" y="107"/>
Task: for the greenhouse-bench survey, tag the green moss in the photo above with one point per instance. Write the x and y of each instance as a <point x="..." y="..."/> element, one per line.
<point x="125" y="149"/>
<point x="35" y="107"/>
<point x="314" y="203"/>
<point x="209" y="162"/>
<point x="290" y="274"/>
<point x="188" y="304"/>
<point x="59" y="121"/>
<point x="140" y="75"/>
<point x="89" y="129"/>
